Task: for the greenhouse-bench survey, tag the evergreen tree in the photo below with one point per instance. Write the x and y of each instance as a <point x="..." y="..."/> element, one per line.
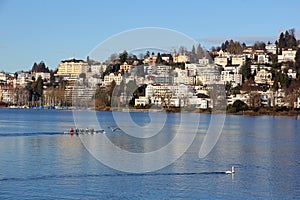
<point x="224" y="45"/>
<point x="287" y="40"/>
<point x="159" y="60"/>
<point x="123" y="56"/>
<point x="101" y="97"/>
<point x="39" y="86"/>
<point x="259" y="46"/>
<point x="291" y="41"/>
<point x="297" y="61"/>
<point x="193" y="55"/>
<point x="239" y="105"/>
<point x="147" y="54"/>
<point x="34" y="67"/>
<point x="200" y="52"/>
<point x="41" y="67"/>
<point x="234" y="47"/>
<point x="246" y="71"/>
<point x="281" y="43"/>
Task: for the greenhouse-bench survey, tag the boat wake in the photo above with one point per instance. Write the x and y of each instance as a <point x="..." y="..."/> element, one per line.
<point x="72" y="176"/>
<point x="29" y="134"/>
<point x="49" y="133"/>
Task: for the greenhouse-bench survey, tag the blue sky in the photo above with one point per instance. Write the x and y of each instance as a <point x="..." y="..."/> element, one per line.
<point x="35" y="30"/>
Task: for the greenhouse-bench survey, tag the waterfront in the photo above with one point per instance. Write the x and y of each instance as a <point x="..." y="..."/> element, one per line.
<point x="39" y="162"/>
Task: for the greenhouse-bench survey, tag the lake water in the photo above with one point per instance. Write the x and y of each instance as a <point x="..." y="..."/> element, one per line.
<point x="38" y="161"/>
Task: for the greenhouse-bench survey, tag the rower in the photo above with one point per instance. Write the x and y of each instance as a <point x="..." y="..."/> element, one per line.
<point x="71" y="131"/>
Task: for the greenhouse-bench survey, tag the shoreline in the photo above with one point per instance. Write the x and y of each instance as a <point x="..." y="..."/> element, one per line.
<point x="259" y="112"/>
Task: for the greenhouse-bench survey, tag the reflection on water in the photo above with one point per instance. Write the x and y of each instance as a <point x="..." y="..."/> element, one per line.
<point x="264" y="150"/>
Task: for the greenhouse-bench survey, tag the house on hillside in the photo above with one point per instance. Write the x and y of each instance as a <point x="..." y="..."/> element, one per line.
<point x="288" y="55"/>
<point x="72" y="68"/>
<point x="263" y="77"/>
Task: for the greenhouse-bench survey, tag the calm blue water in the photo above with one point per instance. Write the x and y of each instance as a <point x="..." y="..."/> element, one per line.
<point x="37" y="161"/>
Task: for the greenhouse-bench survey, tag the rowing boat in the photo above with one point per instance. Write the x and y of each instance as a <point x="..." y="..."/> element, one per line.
<point x="84" y="131"/>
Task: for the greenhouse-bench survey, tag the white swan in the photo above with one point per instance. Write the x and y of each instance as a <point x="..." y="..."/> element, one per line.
<point x="230" y="172"/>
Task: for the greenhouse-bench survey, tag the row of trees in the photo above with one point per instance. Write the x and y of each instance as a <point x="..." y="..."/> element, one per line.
<point x="41" y="67"/>
<point x="116" y="60"/>
<point x="286" y="40"/>
<point x="235" y="47"/>
<point x="197" y="53"/>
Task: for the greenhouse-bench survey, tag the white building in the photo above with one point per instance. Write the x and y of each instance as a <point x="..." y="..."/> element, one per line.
<point x="184" y="80"/>
<point x="242" y="97"/>
<point x="98" y="69"/>
<point x="166" y="57"/>
<point x="93" y="82"/>
<point x="279" y="98"/>
<point x="9" y="95"/>
<point x="201" y="103"/>
<point x="168" y="91"/>
<point x="229" y="77"/>
<point x="291" y="74"/>
<point x="221" y="60"/>
<point x="297" y="103"/>
<point x="79" y="94"/>
<point x="176" y="102"/>
<point x="112" y="77"/>
<point x="180" y="72"/>
<point x="141" y="101"/>
<point x="238" y="60"/>
<point x="266" y="98"/>
<point x="232" y="68"/>
<point x="163" y="69"/>
<point x="248" y="52"/>
<point x="181" y="77"/>
<point x="125" y="67"/>
<point x="203" y="61"/>
<point x="180" y="58"/>
<point x="44" y="75"/>
<point x="2" y="76"/>
<point x="149" y="69"/>
<point x="11" y="80"/>
<point x="255" y="68"/>
<point x="159" y="69"/>
<point x="263" y="77"/>
<point x="191" y="69"/>
<point x="262" y="59"/>
<point x="23" y="78"/>
<point x="207" y="75"/>
<point x="162" y="79"/>
<point x="287" y="55"/>
<point x="271" y="48"/>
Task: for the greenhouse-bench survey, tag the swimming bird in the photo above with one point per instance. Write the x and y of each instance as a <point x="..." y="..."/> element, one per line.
<point x="230" y="172"/>
<point x="113" y="129"/>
